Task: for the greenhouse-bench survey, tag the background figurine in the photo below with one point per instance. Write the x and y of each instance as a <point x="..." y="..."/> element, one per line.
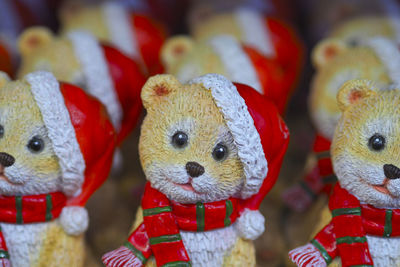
<point x="56" y="148"/>
<point x="208" y="169"/>
<point x="102" y="70"/>
<point x="136" y="34"/>
<point x="365" y="203"/>
<point x="223" y="54"/>
<point x="337" y="62"/>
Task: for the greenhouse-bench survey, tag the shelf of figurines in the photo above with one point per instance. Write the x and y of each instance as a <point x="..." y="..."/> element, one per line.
<point x="199" y="133"/>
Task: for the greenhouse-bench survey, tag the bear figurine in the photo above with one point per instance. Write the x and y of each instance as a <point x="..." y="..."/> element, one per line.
<point x="209" y="166"/>
<point x="136" y="34"/>
<point x="80" y="59"/>
<point x="187" y="58"/>
<point x="365" y="202"/>
<point x="56" y="149"/>
<point x="336" y="62"/>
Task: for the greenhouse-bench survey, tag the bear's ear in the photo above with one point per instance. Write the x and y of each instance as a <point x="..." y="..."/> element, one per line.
<point x="327" y="50"/>
<point x="353" y="91"/>
<point x="4" y="78"/>
<point x="158" y="88"/>
<point x="33" y="38"/>
<point x="175" y="49"/>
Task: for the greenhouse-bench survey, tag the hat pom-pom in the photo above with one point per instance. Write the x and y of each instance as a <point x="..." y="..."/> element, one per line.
<point x="74" y="220"/>
<point x="251" y="224"/>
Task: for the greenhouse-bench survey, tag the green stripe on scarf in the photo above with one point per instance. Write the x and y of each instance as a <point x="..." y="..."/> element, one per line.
<point x="18" y="207"/>
<point x="388" y="223"/>
<point x="165" y="238"/>
<point x="49" y="207"/>
<point x="177" y="264"/>
<point x="346" y="211"/>
<point x="228" y="212"/>
<point x="322" y="250"/>
<point x="155" y="211"/>
<point x="136" y="252"/>
<point x="323" y="155"/>
<point x="308" y="190"/>
<point x="351" y="239"/>
<point x="329" y="179"/>
<point x="200" y="214"/>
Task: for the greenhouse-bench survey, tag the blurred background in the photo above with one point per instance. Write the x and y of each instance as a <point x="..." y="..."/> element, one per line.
<point x="112" y="208"/>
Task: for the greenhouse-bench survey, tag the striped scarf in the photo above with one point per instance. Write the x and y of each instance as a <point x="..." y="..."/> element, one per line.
<point x="29" y="209"/>
<point x="321" y="178"/>
<point x="159" y="234"/>
<point x="345" y="235"/>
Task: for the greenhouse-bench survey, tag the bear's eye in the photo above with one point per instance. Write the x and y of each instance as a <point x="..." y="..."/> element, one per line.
<point x="220" y="152"/>
<point x="179" y="139"/>
<point x="1" y="131"/>
<point x="376" y="142"/>
<point x="36" y="144"/>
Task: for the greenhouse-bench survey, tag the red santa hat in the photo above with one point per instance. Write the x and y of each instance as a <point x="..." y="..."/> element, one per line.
<point x="246" y="65"/>
<point x="260" y="136"/>
<point x="83" y="140"/>
<point x="115" y="79"/>
<point x="137" y="35"/>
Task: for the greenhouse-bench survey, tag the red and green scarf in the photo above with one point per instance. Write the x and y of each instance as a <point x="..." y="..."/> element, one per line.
<point x="321" y="178"/>
<point x="159" y="234"/>
<point x="29" y="209"/>
<point x="345" y="235"/>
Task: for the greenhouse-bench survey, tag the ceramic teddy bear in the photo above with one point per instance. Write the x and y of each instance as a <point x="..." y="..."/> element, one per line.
<point x="365" y="203"/>
<point x="56" y="148"/>
<point x="336" y="62"/>
<point x="135" y="34"/>
<point x="269" y="35"/>
<point x="208" y="166"/>
<point x="187" y="58"/>
<point x="102" y="70"/>
<point x="357" y="29"/>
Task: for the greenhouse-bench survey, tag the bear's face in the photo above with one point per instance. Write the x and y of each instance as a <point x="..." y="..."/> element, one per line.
<point x="365" y="149"/>
<point x="33" y="167"/>
<point x="186" y="150"/>
<point x="75" y="15"/>
<point x="337" y="63"/>
<point x="40" y="50"/>
<point x="355" y="30"/>
<point x="184" y="58"/>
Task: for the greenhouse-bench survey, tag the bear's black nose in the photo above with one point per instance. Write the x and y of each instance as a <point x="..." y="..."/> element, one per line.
<point x="194" y="169"/>
<point x="391" y="171"/>
<point x="6" y="159"/>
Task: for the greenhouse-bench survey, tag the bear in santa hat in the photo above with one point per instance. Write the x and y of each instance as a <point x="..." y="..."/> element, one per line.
<point x="102" y="70"/>
<point x="133" y="32"/>
<point x="187" y="58"/>
<point x="211" y="150"/>
<point x="56" y="149"/>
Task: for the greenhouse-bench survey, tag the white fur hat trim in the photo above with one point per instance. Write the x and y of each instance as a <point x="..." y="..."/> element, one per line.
<point x="241" y="125"/>
<point x="121" y="30"/>
<point x="255" y="31"/>
<point x="96" y="72"/>
<point x="46" y="92"/>
<point x="388" y="52"/>
<point x="235" y="60"/>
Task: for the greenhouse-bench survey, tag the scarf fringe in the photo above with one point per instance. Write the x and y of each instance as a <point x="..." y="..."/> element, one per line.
<point x="121" y="257"/>
<point x="307" y="256"/>
<point x="5" y="263"/>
